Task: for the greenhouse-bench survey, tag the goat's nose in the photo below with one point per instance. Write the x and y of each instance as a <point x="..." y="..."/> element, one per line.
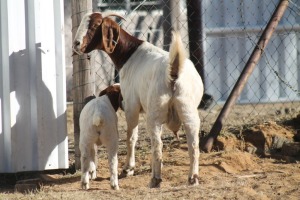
<point x="76" y="43"/>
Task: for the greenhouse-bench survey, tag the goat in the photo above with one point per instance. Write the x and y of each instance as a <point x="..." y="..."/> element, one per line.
<point x="166" y="86"/>
<point x="98" y="125"/>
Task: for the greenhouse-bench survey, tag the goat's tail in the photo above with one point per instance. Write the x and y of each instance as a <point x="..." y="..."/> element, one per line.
<point x="97" y="121"/>
<point x="177" y="57"/>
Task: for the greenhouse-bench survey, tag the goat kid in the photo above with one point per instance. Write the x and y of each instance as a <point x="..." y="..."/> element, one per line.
<point x="98" y="125"/>
<point x="166" y="86"/>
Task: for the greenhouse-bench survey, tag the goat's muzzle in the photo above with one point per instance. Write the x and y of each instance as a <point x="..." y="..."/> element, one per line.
<point x="76" y="51"/>
<point x="76" y="48"/>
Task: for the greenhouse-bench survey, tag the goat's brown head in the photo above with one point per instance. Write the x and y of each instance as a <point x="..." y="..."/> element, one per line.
<point x="113" y="92"/>
<point x="96" y="32"/>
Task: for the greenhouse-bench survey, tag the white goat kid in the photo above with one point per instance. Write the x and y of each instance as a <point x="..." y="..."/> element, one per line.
<point x="98" y="125"/>
<point x="166" y="86"/>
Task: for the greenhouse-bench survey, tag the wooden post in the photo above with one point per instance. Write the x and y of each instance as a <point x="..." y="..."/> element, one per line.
<point x="82" y="74"/>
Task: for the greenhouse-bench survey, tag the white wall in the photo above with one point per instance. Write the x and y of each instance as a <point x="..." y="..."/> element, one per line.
<point x="33" y="133"/>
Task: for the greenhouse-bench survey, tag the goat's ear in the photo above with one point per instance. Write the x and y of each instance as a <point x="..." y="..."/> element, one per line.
<point x="103" y="92"/>
<point x="110" y="34"/>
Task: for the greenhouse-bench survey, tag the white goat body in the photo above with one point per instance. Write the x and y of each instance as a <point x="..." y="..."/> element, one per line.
<point x="146" y="85"/>
<point x="98" y="125"/>
<point x="166" y="86"/>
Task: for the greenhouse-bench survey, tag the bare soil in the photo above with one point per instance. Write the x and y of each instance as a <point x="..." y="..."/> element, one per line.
<point x="255" y="157"/>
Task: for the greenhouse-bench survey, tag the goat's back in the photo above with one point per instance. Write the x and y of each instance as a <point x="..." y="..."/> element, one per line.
<point x="98" y="116"/>
<point x="145" y="77"/>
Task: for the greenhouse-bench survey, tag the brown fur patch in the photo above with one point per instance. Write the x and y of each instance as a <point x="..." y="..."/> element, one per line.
<point x="113" y="92"/>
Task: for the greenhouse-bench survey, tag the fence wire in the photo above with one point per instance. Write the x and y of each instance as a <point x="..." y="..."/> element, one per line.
<point x="231" y="29"/>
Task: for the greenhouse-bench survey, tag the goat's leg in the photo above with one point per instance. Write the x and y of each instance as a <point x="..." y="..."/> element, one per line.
<point x="132" y="136"/>
<point x="192" y="135"/>
<point x="154" y="131"/>
<point x="112" y="150"/>
<point x="86" y="161"/>
<point x="191" y="122"/>
<point x="94" y="163"/>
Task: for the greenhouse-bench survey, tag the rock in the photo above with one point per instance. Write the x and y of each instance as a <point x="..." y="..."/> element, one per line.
<point x="291" y="149"/>
<point x="268" y="137"/>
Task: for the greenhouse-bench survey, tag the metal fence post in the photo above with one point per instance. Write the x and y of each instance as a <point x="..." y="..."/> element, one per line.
<point x="167" y="23"/>
<point x="195" y="31"/>
<point x="195" y="34"/>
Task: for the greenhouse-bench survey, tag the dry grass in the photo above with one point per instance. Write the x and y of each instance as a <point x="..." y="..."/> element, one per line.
<point x="227" y="174"/>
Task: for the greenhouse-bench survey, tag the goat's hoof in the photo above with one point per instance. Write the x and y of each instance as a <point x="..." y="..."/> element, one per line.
<point x="126" y="173"/>
<point x="155" y="183"/>
<point x="194" y="180"/>
<point x="85" y="186"/>
<point x="93" y="175"/>
<point x="115" y="187"/>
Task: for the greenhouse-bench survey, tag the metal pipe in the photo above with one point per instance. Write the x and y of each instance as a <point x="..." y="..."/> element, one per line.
<point x="195" y="30"/>
<point x="247" y="71"/>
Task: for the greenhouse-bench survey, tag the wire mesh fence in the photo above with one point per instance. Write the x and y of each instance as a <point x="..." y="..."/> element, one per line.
<point x="230" y="30"/>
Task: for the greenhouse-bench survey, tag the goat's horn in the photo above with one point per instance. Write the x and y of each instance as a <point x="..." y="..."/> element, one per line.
<point x="116" y="15"/>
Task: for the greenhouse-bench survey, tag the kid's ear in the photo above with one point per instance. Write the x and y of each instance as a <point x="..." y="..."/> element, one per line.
<point x="110" y="35"/>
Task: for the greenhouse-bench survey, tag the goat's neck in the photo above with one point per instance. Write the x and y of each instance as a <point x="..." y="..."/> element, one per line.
<point x="126" y="46"/>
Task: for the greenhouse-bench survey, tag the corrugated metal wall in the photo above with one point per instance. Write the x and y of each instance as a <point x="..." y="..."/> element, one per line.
<point x="33" y="133"/>
<point x="232" y="28"/>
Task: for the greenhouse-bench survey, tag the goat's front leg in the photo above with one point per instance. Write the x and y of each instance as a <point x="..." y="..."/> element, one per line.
<point x="132" y="136"/>
<point x="154" y="131"/>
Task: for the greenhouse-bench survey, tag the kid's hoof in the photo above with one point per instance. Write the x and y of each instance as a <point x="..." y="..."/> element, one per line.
<point x="194" y="180"/>
<point x="93" y="175"/>
<point x="115" y="187"/>
<point x="85" y="186"/>
<point x="126" y="173"/>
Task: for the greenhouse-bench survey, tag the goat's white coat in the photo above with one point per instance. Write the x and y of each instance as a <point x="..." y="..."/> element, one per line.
<point x="145" y="85"/>
<point x="98" y="125"/>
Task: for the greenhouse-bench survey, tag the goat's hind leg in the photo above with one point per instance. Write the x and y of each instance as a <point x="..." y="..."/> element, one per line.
<point x="191" y="122"/>
<point x="94" y="163"/>
<point x="86" y="162"/>
<point x="112" y="150"/>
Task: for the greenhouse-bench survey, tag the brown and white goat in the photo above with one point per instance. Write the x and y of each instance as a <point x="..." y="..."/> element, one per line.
<point x="166" y="86"/>
<point x="98" y="125"/>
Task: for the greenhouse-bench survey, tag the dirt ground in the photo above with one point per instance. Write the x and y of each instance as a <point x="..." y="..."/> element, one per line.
<point x="255" y="157"/>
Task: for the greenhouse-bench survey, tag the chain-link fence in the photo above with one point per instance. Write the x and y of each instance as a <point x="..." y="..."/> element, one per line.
<point x="229" y="32"/>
